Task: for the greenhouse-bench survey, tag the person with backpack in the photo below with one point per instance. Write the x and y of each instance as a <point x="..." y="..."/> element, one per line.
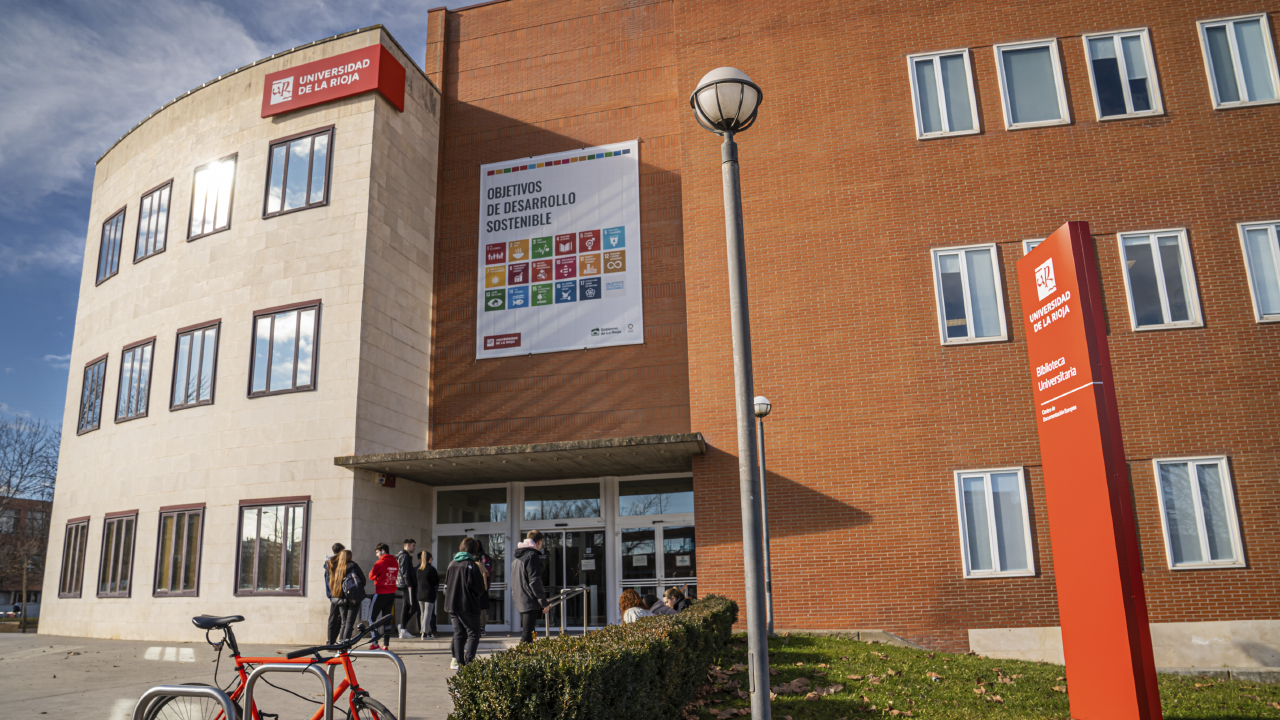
<point x="464" y="587"/>
<point x="407" y="584"/>
<point x="428" y="590"/>
<point x="383" y="576"/>
<point x="485" y="564"/>
<point x="346" y="586"/>
<point x="528" y="594"/>
<point x="335" y="606"/>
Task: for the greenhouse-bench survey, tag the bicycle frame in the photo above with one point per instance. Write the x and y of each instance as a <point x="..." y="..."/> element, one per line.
<point x="246" y="664"/>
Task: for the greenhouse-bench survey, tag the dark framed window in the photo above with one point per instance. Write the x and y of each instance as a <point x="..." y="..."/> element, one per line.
<point x="95" y="375"/>
<point x="73" y="545"/>
<point x="109" y="247"/>
<point x="285" y="348"/>
<point x="135" y="380"/>
<point x="211" y="196"/>
<point x="272" y="553"/>
<point x="153" y="222"/>
<point x="178" y="551"/>
<point x="298" y="172"/>
<point x="195" y="364"/>
<point x="115" y="571"/>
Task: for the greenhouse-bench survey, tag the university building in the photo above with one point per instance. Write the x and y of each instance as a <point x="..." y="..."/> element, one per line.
<point x="485" y="291"/>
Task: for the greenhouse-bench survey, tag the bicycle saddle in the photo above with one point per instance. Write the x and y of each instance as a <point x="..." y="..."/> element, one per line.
<point x="209" y="622"/>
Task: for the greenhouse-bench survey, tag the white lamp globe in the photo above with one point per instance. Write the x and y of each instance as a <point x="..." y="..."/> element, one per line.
<point x="762" y="406"/>
<point x="726" y="100"/>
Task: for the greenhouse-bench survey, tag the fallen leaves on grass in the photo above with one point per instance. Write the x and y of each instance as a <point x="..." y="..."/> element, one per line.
<point x="854" y="677"/>
<point x="732" y="712"/>
<point x="1059" y="688"/>
<point x="993" y="698"/>
<point x="933" y="676"/>
<point x="823" y="691"/>
<point x="796" y="686"/>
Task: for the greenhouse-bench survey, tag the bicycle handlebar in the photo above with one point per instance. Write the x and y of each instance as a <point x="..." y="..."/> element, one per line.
<point x="339" y="647"/>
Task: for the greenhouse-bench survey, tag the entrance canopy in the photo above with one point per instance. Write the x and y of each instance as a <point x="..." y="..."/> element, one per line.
<point x="638" y="455"/>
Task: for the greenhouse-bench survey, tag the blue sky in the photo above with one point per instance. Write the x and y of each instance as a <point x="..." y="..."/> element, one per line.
<point x="78" y="74"/>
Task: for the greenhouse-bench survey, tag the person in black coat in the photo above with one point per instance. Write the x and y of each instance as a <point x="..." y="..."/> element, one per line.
<point x="428" y="589"/>
<point x="527" y="592"/>
<point x="464" y="588"/>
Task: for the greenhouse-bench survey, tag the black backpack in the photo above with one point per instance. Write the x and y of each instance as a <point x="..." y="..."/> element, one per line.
<point x="353" y="588"/>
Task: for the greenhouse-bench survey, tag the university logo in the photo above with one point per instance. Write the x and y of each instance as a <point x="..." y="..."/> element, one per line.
<point x="1045" y="282"/>
<point x="282" y="90"/>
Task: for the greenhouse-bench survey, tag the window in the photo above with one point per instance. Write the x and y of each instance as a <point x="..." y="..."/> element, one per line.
<point x="655" y="497"/>
<point x="1262" y="263"/>
<point x="1123" y="75"/>
<point x="1198" y="511"/>
<point x="153" y="222"/>
<point x="942" y="87"/>
<point x="562" y="502"/>
<point x="1031" y="84"/>
<point x="1032" y="244"/>
<point x="273" y="547"/>
<point x="970" y="299"/>
<point x="95" y="373"/>
<point x="195" y="365"/>
<point x="115" y="571"/>
<point x="211" y="198"/>
<point x="1159" y="279"/>
<point x="73" y="545"/>
<point x="298" y="172"/>
<point x="284" y="344"/>
<point x="178" y="551"/>
<point x="8" y="521"/>
<point x="1240" y="61"/>
<point x="109" y="248"/>
<point x="471" y="505"/>
<point x="135" y="381"/>
<point x="995" y="529"/>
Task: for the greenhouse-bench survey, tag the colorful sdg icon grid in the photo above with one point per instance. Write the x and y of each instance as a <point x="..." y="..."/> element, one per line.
<point x="554" y="270"/>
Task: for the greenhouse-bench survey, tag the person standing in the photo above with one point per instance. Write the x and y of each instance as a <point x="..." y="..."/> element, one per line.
<point x="383" y="576"/>
<point x="464" y="586"/>
<point x="335" y="602"/>
<point x="346" y="585"/>
<point x="428" y="589"/>
<point x="486" y="570"/>
<point x="527" y="591"/>
<point x="407" y="584"/>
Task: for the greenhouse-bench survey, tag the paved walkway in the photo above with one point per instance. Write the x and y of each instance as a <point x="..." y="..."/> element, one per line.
<point x="48" y="676"/>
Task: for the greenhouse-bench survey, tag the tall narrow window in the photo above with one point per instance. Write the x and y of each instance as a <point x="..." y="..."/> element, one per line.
<point x="1032" y="244"/>
<point x="153" y="222"/>
<point x="95" y="375"/>
<point x="211" y="198"/>
<point x="995" y="529"/>
<point x="942" y="87"/>
<point x="284" y="349"/>
<point x="970" y="299"/>
<point x="1240" y="61"/>
<point x="298" y="172"/>
<point x="272" y="553"/>
<point x="1262" y="261"/>
<point x="1123" y="75"/>
<point x="73" y="545"/>
<point x="109" y="247"/>
<point x="1160" y="280"/>
<point x="1198" y="512"/>
<point x="115" y="571"/>
<point x="135" y="380"/>
<point x="1031" y="84"/>
<point x="178" y="551"/>
<point x="195" y="366"/>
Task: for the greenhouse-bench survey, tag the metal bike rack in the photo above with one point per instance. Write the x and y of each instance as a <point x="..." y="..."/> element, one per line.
<point x="312" y="668"/>
<point x="228" y="708"/>
<point x="399" y="664"/>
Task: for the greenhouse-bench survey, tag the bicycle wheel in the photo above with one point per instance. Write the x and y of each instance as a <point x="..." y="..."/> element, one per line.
<point x="188" y="708"/>
<point x="370" y="709"/>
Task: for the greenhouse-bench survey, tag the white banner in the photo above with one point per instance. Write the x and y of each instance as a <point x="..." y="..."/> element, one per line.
<point x="560" y="252"/>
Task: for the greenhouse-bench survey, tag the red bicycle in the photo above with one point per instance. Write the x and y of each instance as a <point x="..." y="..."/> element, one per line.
<point x="184" y="708"/>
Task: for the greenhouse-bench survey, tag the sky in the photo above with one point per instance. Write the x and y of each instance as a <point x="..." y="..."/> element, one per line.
<point x="79" y="74"/>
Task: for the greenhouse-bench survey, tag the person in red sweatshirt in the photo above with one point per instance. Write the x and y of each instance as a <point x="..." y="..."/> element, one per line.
<point x="383" y="576"/>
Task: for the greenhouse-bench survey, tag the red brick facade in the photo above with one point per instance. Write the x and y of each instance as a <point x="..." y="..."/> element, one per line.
<point x="872" y="415"/>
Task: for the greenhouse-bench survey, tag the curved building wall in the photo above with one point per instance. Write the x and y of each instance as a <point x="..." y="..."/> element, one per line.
<point x="370" y="270"/>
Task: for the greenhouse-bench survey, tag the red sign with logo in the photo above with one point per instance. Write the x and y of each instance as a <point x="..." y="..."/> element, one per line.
<point x="1106" y="639"/>
<point x="322" y="81"/>
<point x="509" y="340"/>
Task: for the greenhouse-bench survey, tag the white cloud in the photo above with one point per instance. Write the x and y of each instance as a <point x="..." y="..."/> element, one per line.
<point x="5" y="409"/>
<point x="58" y="361"/>
<point x="58" y="251"/>
<point x="8" y="370"/>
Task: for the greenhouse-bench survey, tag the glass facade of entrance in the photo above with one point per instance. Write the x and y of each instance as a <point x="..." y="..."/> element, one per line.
<point x="604" y="534"/>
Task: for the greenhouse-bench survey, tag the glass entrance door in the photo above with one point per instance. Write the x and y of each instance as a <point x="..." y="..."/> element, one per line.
<point x="495" y="546"/>
<point x="574" y="558"/>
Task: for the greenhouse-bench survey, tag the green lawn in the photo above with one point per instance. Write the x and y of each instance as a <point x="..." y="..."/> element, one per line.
<point x="859" y="680"/>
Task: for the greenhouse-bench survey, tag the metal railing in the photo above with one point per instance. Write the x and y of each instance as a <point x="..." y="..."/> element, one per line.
<point x="159" y="691"/>
<point x="399" y="664"/>
<point x="565" y="595"/>
<point x="312" y="668"/>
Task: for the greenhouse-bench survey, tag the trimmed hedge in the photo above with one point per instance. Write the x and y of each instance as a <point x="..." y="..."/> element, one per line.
<point x="646" y="670"/>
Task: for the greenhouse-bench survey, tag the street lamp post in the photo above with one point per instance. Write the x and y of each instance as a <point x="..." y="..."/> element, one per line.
<point x="763" y="406"/>
<point x="725" y="102"/>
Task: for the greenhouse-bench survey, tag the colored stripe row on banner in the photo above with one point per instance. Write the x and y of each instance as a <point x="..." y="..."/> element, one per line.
<point x="564" y="161"/>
